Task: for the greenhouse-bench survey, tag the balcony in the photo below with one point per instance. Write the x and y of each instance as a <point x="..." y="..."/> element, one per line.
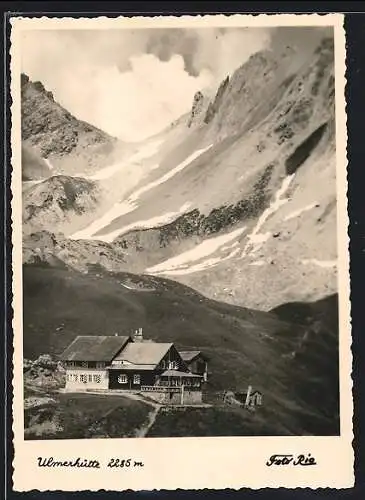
<point x="160" y="388"/>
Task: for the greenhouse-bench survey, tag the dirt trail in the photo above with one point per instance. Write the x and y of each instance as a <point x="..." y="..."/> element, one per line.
<point x="143" y="431"/>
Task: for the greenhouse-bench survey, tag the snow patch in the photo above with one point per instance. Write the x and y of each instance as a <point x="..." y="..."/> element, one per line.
<point x="298" y="212"/>
<point x="320" y="263"/>
<point x="258" y="263"/>
<point x="202" y="266"/>
<point x="207" y="247"/>
<point x="132" y="200"/>
<point x="136" y="288"/>
<point x="160" y="220"/>
<point x="48" y="163"/>
<point x="229" y="247"/>
<point x="257" y="239"/>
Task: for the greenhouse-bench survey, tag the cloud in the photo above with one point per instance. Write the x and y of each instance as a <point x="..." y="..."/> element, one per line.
<point x="133" y="83"/>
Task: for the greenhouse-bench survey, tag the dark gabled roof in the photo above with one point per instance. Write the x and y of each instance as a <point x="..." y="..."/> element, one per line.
<point x="188" y="356"/>
<point x="94" y="348"/>
<point x="144" y="353"/>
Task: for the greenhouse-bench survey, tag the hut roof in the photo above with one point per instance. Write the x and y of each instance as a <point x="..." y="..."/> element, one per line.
<point x="94" y="348"/>
<point x="144" y="353"/>
<point x="188" y="356"/>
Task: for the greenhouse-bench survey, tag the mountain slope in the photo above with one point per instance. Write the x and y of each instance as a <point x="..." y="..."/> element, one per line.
<point x="33" y="166"/>
<point x="245" y="346"/>
<point x="71" y="145"/>
<point x="243" y="191"/>
<point x="56" y="200"/>
<point x="236" y="193"/>
<point x="45" y="247"/>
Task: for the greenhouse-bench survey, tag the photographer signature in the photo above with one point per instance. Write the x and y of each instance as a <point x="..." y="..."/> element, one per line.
<point x="304" y="460"/>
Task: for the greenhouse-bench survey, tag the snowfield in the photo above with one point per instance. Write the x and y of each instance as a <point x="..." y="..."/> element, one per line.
<point x="157" y="221"/>
<point x="300" y="211"/>
<point x="48" y="163"/>
<point x="201" y="266"/>
<point x="257" y="239"/>
<point x="131" y="204"/>
<point x="181" y="263"/>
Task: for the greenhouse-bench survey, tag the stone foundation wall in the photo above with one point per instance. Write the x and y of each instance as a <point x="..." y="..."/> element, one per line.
<point x="192" y="397"/>
<point x="167" y="398"/>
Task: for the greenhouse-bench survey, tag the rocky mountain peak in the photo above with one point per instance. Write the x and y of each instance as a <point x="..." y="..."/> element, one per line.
<point x="37" y="85"/>
<point x="197" y="108"/>
<point x="214" y="106"/>
<point x="58" y="135"/>
<point x="52" y="202"/>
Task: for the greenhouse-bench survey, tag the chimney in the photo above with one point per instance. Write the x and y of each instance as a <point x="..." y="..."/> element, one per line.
<point x="138" y="335"/>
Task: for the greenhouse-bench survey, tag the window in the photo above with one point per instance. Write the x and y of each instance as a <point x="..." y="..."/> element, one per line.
<point x="122" y="379"/>
<point x="83" y="378"/>
<point x="90" y="378"/>
<point x="75" y="377"/>
<point x="173" y="365"/>
<point x="97" y="379"/>
<point x="137" y="379"/>
<point x="71" y="363"/>
<point x="84" y="364"/>
<point x="163" y="365"/>
<point x="100" y="364"/>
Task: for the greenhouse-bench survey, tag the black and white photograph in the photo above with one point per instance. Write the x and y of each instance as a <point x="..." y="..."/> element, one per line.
<point x="181" y="232"/>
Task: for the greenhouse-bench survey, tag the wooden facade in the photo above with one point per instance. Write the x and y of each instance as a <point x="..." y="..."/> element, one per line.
<point x="196" y="362"/>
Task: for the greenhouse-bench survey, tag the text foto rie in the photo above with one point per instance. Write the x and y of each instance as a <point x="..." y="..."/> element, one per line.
<point x="288" y="459"/>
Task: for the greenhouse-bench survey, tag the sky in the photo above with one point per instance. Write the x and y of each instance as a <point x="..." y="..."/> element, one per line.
<point x="134" y="83"/>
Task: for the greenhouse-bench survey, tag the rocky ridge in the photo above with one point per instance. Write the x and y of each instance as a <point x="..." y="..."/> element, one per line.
<point x="57" y="200"/>
<point x="71" y="145"/>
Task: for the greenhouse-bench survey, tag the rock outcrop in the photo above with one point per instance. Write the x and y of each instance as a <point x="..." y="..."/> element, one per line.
<point x="70" y="144"/>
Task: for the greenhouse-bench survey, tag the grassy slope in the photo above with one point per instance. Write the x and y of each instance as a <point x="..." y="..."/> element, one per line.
<point x="215" y="421"/>
<point x="245" y="346"/>
<point x="79" y="416"/>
